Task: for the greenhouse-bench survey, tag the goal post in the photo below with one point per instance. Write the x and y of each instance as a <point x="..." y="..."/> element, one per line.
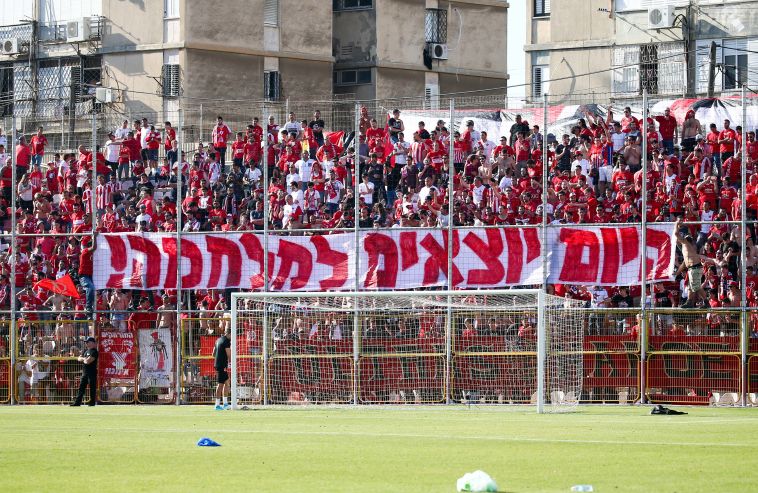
<point x="519" y="346"/>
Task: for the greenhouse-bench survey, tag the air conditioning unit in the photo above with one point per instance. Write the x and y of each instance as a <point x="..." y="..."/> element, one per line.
<point x="439" y="51"/>
<point x="11" y="46"/>
<point x="660" y="17"/>
<point x="78" y="30"/>
<point x="104" y="95"/>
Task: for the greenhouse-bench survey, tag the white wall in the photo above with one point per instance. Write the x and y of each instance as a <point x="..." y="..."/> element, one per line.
<point x="12" y="12"/>
<point x="56" y="11"/>
<point x="516" y="59"/>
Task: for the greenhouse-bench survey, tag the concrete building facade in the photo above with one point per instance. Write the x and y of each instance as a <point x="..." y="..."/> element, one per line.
<point x="612" y="49"/>
<point x="404" y="48"/>
<point x="148" y="56"/>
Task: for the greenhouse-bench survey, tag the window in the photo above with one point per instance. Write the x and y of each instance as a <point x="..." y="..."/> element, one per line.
<point x="352" y="77"/>
<point x="541" y="8"/>
<point x="271" y="13"/>
<point x="649" y="68"/>
<point x="435" y="26"/>
<point x="271" y="86"/>
<point x="540" y="80"/>
<point x="170" y="9"/>
<point x="170" y="80"/>
<point x="338" y="5"/>
<point x="735" y="71"/>
<point x="6" y="90"/>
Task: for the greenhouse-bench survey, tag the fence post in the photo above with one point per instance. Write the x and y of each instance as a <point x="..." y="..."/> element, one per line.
<point x="744" y="316"/>
<point x="357" y="238"/>
<point x="179" y="162"/>
<point x="450" y="193"/>
<point x="13" y="252"/>
<point x="541" y="332"/>
<point x="200" y="130"/>
<point x="643" y="256"/>
<point x="265" y="333"/>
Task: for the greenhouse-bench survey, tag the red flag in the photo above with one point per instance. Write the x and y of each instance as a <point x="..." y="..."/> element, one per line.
<point x="65" y="286"/>
<point x="336" y="139"/>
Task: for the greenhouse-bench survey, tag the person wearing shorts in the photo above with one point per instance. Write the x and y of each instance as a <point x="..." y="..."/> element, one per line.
<point x="222" y="352"/>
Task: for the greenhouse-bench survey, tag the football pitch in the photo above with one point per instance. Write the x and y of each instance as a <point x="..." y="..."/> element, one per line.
<point x="375" y="449"/>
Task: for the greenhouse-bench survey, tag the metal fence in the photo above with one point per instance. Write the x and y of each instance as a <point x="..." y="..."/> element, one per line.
<point x="645" y="352"/>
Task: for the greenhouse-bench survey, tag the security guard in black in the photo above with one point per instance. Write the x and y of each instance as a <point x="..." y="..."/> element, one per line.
<point x="89" y="373"/>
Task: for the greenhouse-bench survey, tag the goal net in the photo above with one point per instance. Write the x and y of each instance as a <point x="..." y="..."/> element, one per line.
<point x="422" y="347"/>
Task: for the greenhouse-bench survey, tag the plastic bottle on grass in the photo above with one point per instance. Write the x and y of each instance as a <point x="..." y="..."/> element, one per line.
<point x="582" y="487"/>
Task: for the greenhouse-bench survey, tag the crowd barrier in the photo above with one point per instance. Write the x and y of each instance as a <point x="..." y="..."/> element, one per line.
<point x="688" y="357"/>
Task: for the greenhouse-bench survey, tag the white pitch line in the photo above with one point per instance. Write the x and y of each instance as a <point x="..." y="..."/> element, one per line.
<point x="406" y="435"/>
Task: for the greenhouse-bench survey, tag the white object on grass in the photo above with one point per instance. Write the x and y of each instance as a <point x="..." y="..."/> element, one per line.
<point x="476" y="481"/>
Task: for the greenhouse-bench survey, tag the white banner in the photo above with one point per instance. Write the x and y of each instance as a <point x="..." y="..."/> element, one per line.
<point x="389" y="259"/>
<point x="156" y="358"/>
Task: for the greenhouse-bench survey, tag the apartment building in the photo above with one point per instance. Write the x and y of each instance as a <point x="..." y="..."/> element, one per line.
<point x="615" y="48"/>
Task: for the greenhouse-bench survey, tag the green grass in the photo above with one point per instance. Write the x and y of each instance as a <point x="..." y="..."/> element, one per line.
<point x="413" y="449"/>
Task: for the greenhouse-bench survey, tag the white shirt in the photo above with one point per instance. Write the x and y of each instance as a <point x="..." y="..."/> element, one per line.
<point x="617" y="139"/>
<point x="401" y="158"/>
<point x="585" y="165"/>
<point x="297" y="198"/>
<point x="293" y="127"/>
<point x="144" y="217"/>
<point x="253" y="174"/>
<point x="111" y="151"/>
<point x="121" y="132"/>
<point x="598" y="296"/>
<point x="292" y="177"/>
<point x="706" y="216"/>
<point x="214" y="172"/>
<point x="366" y="190"/>
<point x="425" y="192"/>
<point x="304" y="168"/>
<point x="477" y="194"/>
<point x="143" y="137"/>
<point x="505" y="182"/>
<point x="4" y="141"/>
<point x="488" y="147"/>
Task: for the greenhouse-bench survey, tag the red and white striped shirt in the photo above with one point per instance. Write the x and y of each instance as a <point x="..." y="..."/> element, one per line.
<point x="418" y="152"/>
<point x="102" y="196"/>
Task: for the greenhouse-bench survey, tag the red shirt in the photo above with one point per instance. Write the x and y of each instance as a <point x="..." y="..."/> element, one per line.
<point x="666" y="126"/>
<point x="38" y="144"/>
<point x="153" y="140"/>
<point x="375" y="133"/>
<point x="85" y="262"/>
<point x="220" y="135"/>
<point x="727" y="134"/>
<point x="238" y="149"/>
<point x="23" y="155"/>
<point x="170" y="137"/>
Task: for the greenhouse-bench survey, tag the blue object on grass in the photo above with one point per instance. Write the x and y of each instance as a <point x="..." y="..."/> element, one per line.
<point x="207" y="442"/>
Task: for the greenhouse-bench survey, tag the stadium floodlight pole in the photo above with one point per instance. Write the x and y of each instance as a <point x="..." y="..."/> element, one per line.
<point x="643" y="249"/>
<point x="266" y="267"/>
<point x="450" y="194"/>
<point x="744" y="333"/>
<point x="356" y="212"/>
<point x="541" y="332"/>
<point x="179" y="198"/>
<point x="13" y="253"/>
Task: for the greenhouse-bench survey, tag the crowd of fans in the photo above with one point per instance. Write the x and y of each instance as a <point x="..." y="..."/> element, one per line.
<point x="401" y="177"/>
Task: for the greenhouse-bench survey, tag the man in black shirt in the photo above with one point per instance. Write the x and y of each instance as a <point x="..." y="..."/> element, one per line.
<point x="563" y="154"/>
<point x="222" y="352"/>
<point x="89" y="373"/>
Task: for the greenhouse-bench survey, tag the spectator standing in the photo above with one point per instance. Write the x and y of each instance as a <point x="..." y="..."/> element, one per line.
<point x="89" y="374"/>
<point x="219" y="138"/>
<point x="37" y="144"/>
<point x="23" y="156"/>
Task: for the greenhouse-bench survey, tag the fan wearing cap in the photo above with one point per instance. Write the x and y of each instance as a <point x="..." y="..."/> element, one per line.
<point x="89" y="373"/>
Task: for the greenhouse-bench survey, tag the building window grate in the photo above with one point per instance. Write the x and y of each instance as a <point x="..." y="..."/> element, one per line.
<point x="170" y="80"/>
<point x="271" y="86"/>
<point x="435" y="26"/>
<point x="541" y="8"/>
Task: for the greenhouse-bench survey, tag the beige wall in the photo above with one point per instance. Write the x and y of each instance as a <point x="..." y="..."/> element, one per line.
<point x="303" y="80"/>
<point x="133" y="71"/>
<point x="392" y="83"/>
<point x="129" y="24"/>
<point x="573" y="20"/>
<point x="306" y="27"/>
<point x="240" y="24"/>
<point x="217" y="75"/>
<point x="451" y="83"/>
<point x="400" y="31"/>
<point x="574" y="62"/>
<point x="482" y="43"/>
